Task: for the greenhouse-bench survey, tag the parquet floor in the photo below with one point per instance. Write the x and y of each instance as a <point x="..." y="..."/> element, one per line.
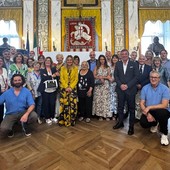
<point x="93" y="146"/>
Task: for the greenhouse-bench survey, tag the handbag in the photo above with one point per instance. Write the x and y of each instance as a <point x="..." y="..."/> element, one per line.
<point x="51" y="84"/>
<point x="97" y="82"/>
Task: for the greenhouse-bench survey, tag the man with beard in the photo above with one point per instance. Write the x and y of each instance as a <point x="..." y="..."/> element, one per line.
<point x="19" y="107"/>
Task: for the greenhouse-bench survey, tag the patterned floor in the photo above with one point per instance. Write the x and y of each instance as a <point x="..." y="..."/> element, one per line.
<point x="93" y="146"/>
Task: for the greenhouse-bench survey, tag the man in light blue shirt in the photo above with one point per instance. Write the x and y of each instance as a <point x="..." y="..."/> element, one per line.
<point x="154" y="105"/>
<point x="19" y="107"/>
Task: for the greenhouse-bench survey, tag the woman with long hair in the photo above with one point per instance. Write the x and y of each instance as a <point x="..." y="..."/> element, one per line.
<point x="48" y="90"/>
<point x="68" y="93"/>
<point x="101" y="95"/>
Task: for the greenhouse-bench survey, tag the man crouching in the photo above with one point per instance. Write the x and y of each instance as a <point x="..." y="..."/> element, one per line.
<point x="19" y="107"/>
<point x="154" y="104"/>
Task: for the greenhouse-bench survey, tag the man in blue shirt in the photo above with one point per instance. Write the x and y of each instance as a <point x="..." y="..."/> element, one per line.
<point x="19" y="107"/>
<point x="154" y="104"/>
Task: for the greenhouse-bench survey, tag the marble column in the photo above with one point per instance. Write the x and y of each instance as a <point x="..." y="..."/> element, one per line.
<point x="119" y="24"/>
<point x="106" y="24"/>
<point x="56" y="24"/>
<point x="133" y="24"/>
<point x="43" y="34"/>
<point x="28" y="19"/>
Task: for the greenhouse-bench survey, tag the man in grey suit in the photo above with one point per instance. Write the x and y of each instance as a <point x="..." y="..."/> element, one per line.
<point x="126" y="76"/>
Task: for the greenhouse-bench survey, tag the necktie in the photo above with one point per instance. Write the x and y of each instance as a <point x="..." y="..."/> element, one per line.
<point x="140" y="69"/>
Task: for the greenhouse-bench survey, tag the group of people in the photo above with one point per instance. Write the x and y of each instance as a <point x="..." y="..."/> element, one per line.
<point x="107" y="87"/>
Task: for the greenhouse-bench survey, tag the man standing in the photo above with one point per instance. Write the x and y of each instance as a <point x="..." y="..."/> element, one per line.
<point x="7" y="57"/>
<point x="144" y="72"/>
<point x="154" y="104"/>
<point x="126" y="76"/>
<point x="93" y="61"/>
<point x="19" y="107"/>
<point x="108" y="56"/>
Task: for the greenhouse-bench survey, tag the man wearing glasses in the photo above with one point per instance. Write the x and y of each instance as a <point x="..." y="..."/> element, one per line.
<point x="154" y="104"/>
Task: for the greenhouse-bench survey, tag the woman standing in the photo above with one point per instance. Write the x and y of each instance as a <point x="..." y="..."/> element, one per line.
<point x="149" y="57"/>
<point x="48" y="88"/>
<point x="113" y="105"/>
<point x="101" y="96"/>
<point x="30" y="64"/>
<point x="85" y="88"/>
<point x="18" y="67"/>
<point x="33" y="82"/>
<point x="3" y="85"/>
<point x="157" y="66"/>
<point x="68" y="93"/>
<point x="41" y="59"/>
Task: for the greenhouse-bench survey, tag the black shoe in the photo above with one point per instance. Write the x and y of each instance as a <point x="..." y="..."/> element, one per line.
<point x="26" y="129"/>
<point x="118" y="125"/>
<point x="131" y="131"/>
<point x="136" y="120"/>
<point x="11" y="134"/>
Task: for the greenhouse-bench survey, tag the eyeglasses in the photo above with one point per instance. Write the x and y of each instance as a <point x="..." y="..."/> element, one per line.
<point x="154" y="77"/>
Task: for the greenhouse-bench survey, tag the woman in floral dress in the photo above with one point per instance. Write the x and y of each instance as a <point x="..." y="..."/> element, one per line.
<point x="68" y="93"/>
<point x="101" y="96"/>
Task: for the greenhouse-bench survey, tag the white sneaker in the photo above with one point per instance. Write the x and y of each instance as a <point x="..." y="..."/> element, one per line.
<point x="54" y="120"/>
<point x="164" y="140"/>
<point x="154" y="129"/>
<point x="81" y="119"/>
<point x="88" y="120"/>
<point x="39" y="121"/>
<point x="48" y="121"/>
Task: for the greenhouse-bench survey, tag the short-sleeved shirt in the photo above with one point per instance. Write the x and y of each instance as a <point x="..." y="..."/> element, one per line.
<point x="154" y="96"/>
<point x="16" y="104"/>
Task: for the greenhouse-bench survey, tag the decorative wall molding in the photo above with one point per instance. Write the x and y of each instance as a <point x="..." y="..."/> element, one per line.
<point x="10" y="3"/>
<point x="119" y="25"/>
<point x="42" y="23"/>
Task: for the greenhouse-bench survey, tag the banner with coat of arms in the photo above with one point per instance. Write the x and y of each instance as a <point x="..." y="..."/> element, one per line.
<point x="80" y="34"/>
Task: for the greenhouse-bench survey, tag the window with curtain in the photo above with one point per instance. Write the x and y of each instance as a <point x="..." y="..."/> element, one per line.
<point x="8" y="29"/>
<point x="152" y="29"/>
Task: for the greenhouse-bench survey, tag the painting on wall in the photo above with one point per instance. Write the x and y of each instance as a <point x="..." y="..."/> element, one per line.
<point x="86" y="3"/>
<point x="154" y="3"/>
<point x="10" y="3"/>
<point x="80" y="34"/>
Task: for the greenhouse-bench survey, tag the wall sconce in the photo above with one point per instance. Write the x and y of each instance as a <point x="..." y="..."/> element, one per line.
<point x="105" y="43"/>
<point x="54" y="47"/>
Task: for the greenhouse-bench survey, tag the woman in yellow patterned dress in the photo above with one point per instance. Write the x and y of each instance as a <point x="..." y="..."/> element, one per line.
<point x="68" y="93"/>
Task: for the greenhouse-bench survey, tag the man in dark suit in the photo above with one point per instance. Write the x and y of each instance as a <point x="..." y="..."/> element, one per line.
<point x="144" y="71"/>
<point x="126" y="76"/>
